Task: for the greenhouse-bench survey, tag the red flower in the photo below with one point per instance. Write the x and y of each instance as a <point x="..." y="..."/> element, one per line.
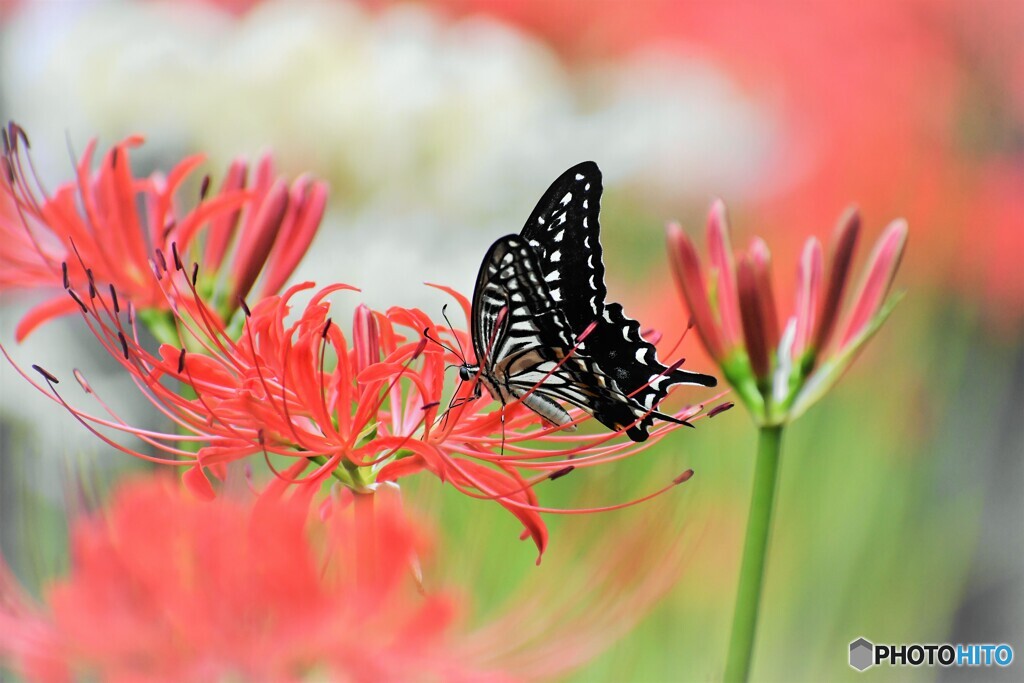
<point x="295" y="389"/>
<point x="780" y="370"/>
<point x="112" y="229"/>
<point x="166" y="587"/>
<point x="365" y="412"/>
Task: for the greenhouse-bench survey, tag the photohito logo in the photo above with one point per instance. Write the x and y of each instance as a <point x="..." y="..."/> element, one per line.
<point x="864" y="654"/>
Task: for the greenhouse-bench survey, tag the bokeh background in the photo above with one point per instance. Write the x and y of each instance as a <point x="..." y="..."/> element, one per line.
<point x="439" y="124"/>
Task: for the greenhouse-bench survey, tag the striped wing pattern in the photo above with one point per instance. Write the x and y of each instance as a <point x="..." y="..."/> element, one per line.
<point x="523" y="342"/>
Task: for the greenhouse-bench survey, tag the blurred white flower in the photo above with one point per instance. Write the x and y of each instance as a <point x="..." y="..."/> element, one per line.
<point x="435" y="136"/>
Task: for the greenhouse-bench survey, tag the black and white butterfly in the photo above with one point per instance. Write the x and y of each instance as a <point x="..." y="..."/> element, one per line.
<point x="538" y="293"/>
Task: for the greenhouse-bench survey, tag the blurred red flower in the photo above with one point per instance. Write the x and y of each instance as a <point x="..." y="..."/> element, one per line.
<point x="913" y="108"/>
<point x="110" y="228"/>
<point x="166" y="587"/>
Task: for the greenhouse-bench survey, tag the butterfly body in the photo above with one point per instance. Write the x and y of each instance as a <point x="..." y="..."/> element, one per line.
<point x="542" y="331"/>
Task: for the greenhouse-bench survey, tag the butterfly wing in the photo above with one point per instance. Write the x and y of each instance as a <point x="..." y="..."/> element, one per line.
<point x="564" y="229"/>
<point x="525" y="347"/>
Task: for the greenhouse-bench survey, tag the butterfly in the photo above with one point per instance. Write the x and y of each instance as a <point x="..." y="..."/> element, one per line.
<point x="542" y="331"/>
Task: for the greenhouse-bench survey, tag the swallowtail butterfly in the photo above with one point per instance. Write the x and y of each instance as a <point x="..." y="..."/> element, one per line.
<point x="542" y="331"/>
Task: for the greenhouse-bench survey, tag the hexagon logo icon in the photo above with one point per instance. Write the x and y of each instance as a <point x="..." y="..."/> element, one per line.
<point x="862" y="654"/>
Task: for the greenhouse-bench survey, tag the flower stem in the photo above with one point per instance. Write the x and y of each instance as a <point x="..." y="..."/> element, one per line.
<point x="755" y="550"/>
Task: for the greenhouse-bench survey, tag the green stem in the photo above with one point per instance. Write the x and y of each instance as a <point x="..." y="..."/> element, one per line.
<point x="336" y="473"/>
<point x="755" y="550"/>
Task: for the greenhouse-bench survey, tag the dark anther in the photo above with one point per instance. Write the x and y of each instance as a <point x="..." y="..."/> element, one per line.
<point x="9" y="169"/>
<point x="720" y="408"/>
<point x="195" y="273"/>
<point x="177" y="258"/>
<point x="244" y="307"/>
<point x="260" y="438"/>
<point x="561" y="473"/>
<point x="685" y="476"/>
<point x="113" y="298"/>
<point x="419" y="348"/>
<point x="327" y="328"/>
<point x="85" y="309"/>
<point x="124" y="344"/>
<point x="92" y="283"/>
<point x="161" y="261"/>
<point x="181" y="362"/>
<point x="7" y="141"/>
<point x="113" y="157"/>
<point x="42" y="371"/>
<point x="64" y="272"/>
<point x="204" y="188"/>
<point x="432" y="404"/>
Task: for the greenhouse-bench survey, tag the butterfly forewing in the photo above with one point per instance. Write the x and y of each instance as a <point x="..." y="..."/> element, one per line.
<point x="565" y="232"/>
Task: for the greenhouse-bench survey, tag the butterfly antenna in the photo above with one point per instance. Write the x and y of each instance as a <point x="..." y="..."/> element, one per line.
<point x="426" y="334"/>
<point x="444" y="314"/>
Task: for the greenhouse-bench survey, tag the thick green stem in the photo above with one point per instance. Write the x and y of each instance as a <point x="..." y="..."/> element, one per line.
<point x="755" y="551"/>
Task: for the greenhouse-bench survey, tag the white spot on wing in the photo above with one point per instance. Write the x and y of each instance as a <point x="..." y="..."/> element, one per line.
<point x="640" y="353"/>
<point x="607" y="316"/>
<point x="552" y="276"/>
<point x="559" y="235"/>
<point x="566" y="199"/>
<point x="586" y="203"/>
<point x="540" y="219"/>
<point x="556" y="256"/>
<point x="556" y="294"/>
<point x="587" y="186"/>
<point x="579" y="176"/>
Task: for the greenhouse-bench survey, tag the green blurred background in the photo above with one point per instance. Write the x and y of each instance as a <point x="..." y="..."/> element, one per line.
<point x="438" y="125"/>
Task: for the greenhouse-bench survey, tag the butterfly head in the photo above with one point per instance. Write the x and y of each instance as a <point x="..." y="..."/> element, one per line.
<point x="467" y="372"/>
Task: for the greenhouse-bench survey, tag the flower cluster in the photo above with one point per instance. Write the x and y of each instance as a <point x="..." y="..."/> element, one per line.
<point x="781" y="370"/>
<point x="364" y="409"/>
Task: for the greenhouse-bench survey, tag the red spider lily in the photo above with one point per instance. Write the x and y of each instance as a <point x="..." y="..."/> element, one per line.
<point x="781" y="370"/>
<point x="124" y="227"/>
<point x="188" y="590"/>
<point x="365" y="412"/>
